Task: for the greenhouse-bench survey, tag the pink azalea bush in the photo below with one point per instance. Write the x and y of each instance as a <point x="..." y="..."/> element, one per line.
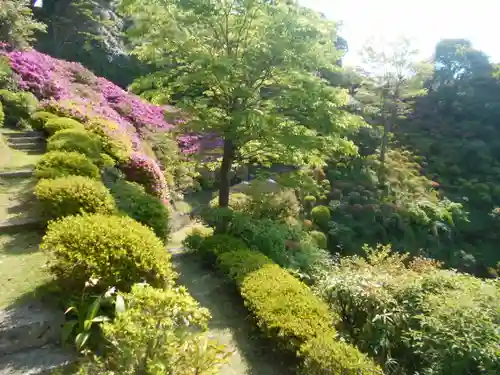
<point x="71" y="90"/>
<point x="145" y="171"/>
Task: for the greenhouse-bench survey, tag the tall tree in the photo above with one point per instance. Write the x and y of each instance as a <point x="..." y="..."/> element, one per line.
<point x="17" y="25"/>
<point x="390" y="82"/>
<point x="257" y="63"/>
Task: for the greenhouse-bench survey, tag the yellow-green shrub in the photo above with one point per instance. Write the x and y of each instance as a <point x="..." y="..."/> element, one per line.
<point x="2" y="115"/>
<point x="72" y="195"/>
<point x="132" y="199"/>
<point x="287" y="311"/>
<point x="56" y="124"/>
<point x="38" y="119"/>
<point x="212" y="246"/>
<point x="326" y="355"/>
<point x="321" y="216"/>
<point x="60" y="163"/>
<point x="319" y="239"/>
<point x="114" y="143"/>
<point x="237" y="202"/>
<point x="163" y="328"/>
<point x="117" y="250"/>
<point x="76" y="140"/>
<point x="17" y="106"/>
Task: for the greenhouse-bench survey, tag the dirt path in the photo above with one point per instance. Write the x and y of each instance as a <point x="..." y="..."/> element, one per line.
<point x="230" y="323"/>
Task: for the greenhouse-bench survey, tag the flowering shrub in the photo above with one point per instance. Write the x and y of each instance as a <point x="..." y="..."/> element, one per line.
<point x="142" y="169"/>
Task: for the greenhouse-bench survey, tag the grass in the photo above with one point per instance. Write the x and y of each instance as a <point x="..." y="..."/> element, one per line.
<point x="14" y="159"/>
<point x="16" y="198"/>
<point x="21" y="266"/>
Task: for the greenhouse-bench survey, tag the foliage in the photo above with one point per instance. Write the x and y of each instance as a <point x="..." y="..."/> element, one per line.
<point x="287" y="311"/>
<point x="17" y="106"/>
<point x="237" y="202"/>
<point x="321" y="216"/>
<point x="2" y="115"/>
<point x="146" y="209"/>
<point x="61" y="163"/>
<point x="71" y="195"/>
<point x="180" y="169"/>
<point x="40" y="118"/>
<point x="114" y="143"/>
<point x="414" y="317"/>
<point x="17" y="25"/>
<point x="319" y="239"/>
<point x="252" y="62"/>
<point x="117" y="250"/>
<point x="83" y="318"/>
<point x="160" y="332"/>
<point x="55" y="124"/>
<point x="75" y="140"/>
<point x="143" y="170"/>
<point x="210" y="247"/>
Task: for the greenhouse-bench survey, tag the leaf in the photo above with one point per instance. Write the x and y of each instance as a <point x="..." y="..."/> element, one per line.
<point x="68" y="329"/>
<point x="71" y="308"/>
<point x="100" y="319"/>
<point x="94" y="308"/>
<point x="81" y="339"/>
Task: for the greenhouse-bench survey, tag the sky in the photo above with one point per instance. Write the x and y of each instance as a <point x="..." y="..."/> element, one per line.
<point x="424" y="21"/>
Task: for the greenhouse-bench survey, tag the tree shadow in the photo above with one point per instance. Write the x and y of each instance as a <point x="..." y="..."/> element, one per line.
<point x="23" y="243"/>
<point x="231" y="321"/>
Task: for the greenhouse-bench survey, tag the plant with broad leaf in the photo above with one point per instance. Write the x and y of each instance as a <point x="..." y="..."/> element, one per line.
<point x="87" y="315"/>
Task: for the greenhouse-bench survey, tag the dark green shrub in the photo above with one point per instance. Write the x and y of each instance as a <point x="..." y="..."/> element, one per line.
<point x="64" y="196"/>
<point x="213" y="246"/>
<point x="60" y="163"/>
<point x="40" y="118"/>
<point x="76" y="140"/>
<point x="321" y="216"/>
<point x="56" y="124"/>
<point x="195" y="239"/>
<point x="116" y="250"/>
<point x="132" y="199"/>
<point x="17" y="106"/>
<point x="319" y="239"/>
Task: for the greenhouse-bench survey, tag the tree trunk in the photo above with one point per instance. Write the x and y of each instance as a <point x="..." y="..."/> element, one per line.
<point x="224" y="182"/>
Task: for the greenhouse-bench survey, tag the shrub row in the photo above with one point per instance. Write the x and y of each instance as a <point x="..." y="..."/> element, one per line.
<point x="288" y="312"/>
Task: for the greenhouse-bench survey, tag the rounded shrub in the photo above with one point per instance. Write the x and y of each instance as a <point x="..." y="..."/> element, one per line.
<point x="17" y="105"/>
<point x="64" y="196"/>
<point x="76" y="140"/>
<point x="61" y="163"/>
<point x="319" y="239"/>
<point x="56" y="124"/>
<point x="115" y="142"/>
<point x="321" y="216"/>
<point x="132" y="199"/>
<point x="39" y="119"/>
<point x="214" y="246"/>
<point x="237" y="202"/>
<point x="116" y="250"/>
<point x="105" y="161"/>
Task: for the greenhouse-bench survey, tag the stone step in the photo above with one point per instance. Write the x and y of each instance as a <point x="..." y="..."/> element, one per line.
<point x="37" y="361"/>
<point x="27" y="146"/>
<point x="30" y="325"/>
<point x="14" y="225"/>
<point x="16" y="173"/>
<point x="12" y="135"/>
<point x="24" y="140"/>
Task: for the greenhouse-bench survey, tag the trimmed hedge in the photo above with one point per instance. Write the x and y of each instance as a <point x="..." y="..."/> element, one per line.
<point x="40" y="118"/>
<point x="132" y="199"/>
<point x="116" y="250"/>
<point x="60" y="163"/>
<point x="17" y="106"/>
<point x="76" y="140"/>
<point x="288" y="312"/>
<point x="72" y="195"/>
<point x="321" y="215"/>
<point x="56" y="124"/>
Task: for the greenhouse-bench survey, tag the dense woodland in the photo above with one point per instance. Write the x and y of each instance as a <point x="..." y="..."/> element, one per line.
<point x="388" y="208"/>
